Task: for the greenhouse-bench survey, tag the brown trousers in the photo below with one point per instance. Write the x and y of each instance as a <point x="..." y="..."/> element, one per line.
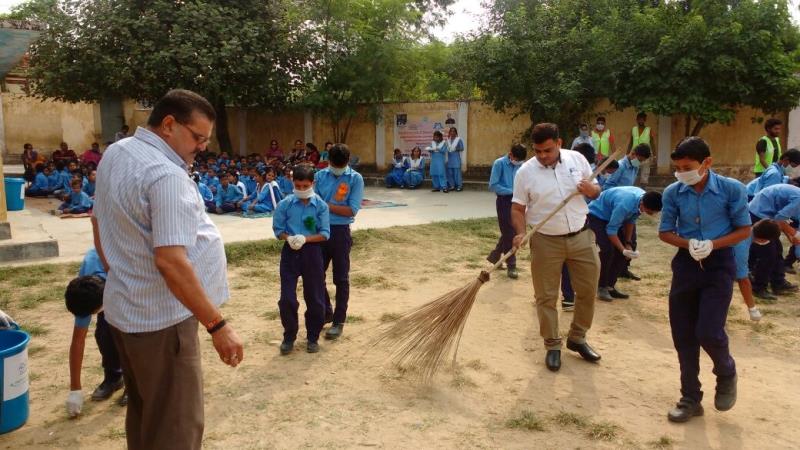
<point x="548" y="254"/>
<point x="163" y="376"/>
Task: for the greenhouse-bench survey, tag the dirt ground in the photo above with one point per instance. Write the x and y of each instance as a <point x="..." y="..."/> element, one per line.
<point x="499" y="396"/>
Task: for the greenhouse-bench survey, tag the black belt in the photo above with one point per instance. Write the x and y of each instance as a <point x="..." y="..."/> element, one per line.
<point x="574" y="233"/>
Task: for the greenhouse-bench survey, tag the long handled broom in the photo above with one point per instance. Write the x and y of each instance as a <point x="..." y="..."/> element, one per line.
<point x="421" y="339"/>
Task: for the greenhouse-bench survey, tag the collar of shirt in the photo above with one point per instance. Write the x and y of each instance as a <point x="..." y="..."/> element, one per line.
<point x="539" y="165"/>
<point x="147" y="136"/>
<point x="314" y="201"/>
<point x="712" y="185"/>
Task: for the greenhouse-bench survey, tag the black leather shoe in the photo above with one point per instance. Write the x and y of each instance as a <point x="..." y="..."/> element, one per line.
<point x="584" y="350"/>
<point x="553" y="360"/>
<point x="459" y="189"/>
<point x="685" y="410"/>
<point x="725" y="397"/>
<point x="446" y="190"/>
<point x="784" y="288"/>
<point x="334" y="332"/>
<point x="123" y="401"/>
<point x="312" y="347"/>
<point x="629" y="275"/>
<point x="763" y="294"/>
<point x="512" y="273"/>
<point x="613" y="292"/>
<point x="106" y="390"/>
<point x="435" y="190"/>
<point x="287" y="347"/>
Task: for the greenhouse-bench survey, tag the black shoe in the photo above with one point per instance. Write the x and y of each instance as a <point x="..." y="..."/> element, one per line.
<point x="790" y="270"/>
<point x="763" y="294"/>
<point x="459" y="189"/>
<point x="435" y="190"/>
<point x="584" y="350"/>
<point x="107" y="389"/>
<point x="553" y="360"/>
<point x="567" y="305"/>
<point x="123" y="401"/>
<point x="685" y="410"/>
<point x="334" y="332"/>
<point x="445" y="190"/>
<point x="312" y="347"/>
<point x="613" y="292"/>
<point x="784" y="288"/>
<point x="287" y="347"/>
<point x="512" y="273"/>
<point x="627" y="274"/>
<point x="725" y="397"/>
<point x="329" y="317"/>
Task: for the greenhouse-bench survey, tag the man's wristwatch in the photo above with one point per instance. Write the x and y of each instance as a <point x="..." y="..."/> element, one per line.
<point x="215" y="325"/>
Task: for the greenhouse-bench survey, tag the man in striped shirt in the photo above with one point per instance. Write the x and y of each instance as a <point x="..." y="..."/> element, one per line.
<point x="153" y="236"/>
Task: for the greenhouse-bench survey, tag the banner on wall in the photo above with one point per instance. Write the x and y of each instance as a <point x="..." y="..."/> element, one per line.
<point x="416" y="130"/>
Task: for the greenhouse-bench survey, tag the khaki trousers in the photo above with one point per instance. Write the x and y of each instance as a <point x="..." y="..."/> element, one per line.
<point x="163" y="376"/>
<point x="548" y="254"/>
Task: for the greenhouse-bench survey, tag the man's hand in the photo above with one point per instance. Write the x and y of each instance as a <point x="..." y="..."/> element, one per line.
<point x="587" y="188"/>
<point x="518" y="240"/>
<point x="228" y="346"/>
<point x="5" y="320"/>
<point x="74" y="403"/>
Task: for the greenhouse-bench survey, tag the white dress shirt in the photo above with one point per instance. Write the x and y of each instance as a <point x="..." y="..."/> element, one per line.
<point x="541" y="189"/>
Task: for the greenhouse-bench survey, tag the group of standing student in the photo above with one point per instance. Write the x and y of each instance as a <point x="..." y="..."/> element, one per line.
<point x="445" y="163"/>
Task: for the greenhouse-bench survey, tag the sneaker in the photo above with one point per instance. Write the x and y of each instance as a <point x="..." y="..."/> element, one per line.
<point x="763" y="294"/>
<point x="755" y="314"/>
<point x="334" y="332"/>
<point x="512" y="273"/>
<point x="287" y="347"/>
<point x="567" y="305"/>
<point x="107" y="389"/>
<point x="784" y="288"/>
<point x="312" y="347"/>
<point x="614" y="293"/>
<point x="604" y="295"/>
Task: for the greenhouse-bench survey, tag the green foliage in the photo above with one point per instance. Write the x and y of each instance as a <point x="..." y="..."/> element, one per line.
<point x="31" y="10"/>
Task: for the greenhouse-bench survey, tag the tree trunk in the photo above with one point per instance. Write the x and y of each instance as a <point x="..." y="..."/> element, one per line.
<point x="223" y="134"/>
<point x="346" y="130"/>
<point x="688" y="125"/>
<point x="699" y="125"/>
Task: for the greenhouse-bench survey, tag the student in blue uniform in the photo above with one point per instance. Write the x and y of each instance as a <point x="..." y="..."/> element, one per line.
<point x="204" y="191"/>
<point x="437" y="171"/>
<point x="612" y="217"/>
<point x="285" y="181"/>
<point x="781" y="203"/>
<point x="501" y="182"/>
<point x="399" y="165"/>
<point x="703" y="215"/>
<point x="342" y="188"/>
<point x="610" y="169"/>
<point x="416" y="169"/>
<point x="78" y="202"/>
<point x="89" y="185"/>
<point x="628" y="168"/>
<point x="54" y="179"/>
<point x="212" y="181"/>
<point x="302" y="220"/>
<point x="776" y="173"/>
<point x="249" y="179"/>
<point x="764" y="231"/>
<point x="266" y="197"/>
<point x="40" y="186"/>
<point x="455" y="147"/>
<point x="228" y="194"/>
<point x="84" y="297"/>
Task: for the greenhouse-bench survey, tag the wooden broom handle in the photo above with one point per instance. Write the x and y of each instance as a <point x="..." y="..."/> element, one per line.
<point x="563" y="203"/>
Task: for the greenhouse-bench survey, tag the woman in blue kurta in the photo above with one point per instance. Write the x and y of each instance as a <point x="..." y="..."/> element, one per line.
<point x="438" y="151"/>
<point x="416" y="169"/>
<point x="455" y="146"/>
<point x="399" y="166"/>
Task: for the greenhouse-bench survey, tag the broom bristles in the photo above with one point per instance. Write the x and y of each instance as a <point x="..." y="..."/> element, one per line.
<point x="424" y="338"/>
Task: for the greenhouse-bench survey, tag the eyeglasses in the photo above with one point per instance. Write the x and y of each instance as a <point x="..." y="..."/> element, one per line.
<point x="199" y="138"/>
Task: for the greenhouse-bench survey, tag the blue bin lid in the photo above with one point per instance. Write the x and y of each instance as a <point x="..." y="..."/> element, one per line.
<point x="12" y="342"/>
<point x="15" y="180"/>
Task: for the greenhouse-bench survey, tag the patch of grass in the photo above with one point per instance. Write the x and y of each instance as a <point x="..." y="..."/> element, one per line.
<point x="31" y="300"/>
<point x="34" y="349"/>
<point x="763" y="327"/>
<point x="527" y="420"/>
<point x="565" y="419"/>
<point x="244" y="253"/>
<point x="774" y="313"/>
<point x="114" y="434"/>
<point x="664" y="442"/>
<point x="361" y="280"/>
<point x="475" y="364"/>
<point x="34" y="376"/>
<point x="604" y="431"/>
<point x="473" y="265"/>
<point x="34" y="329"/>
<point x="354" y="319"/>
<point x="390" y="317"/>
<point x="271" y="315"/>
<point x="25" y="281"/>
<point x="461" y="381"/>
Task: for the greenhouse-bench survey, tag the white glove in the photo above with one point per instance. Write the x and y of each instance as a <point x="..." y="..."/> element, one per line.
<point x="5" y="320"/>
<point x="700" y="249"/>
<point x="74" y="403"/>
<point x="297" y="241"/>
<point x="630" y="254"/>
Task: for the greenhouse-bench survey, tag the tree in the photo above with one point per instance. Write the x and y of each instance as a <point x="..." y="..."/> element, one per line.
<point x="235" y="52"/>
<point x="706" y="59"/>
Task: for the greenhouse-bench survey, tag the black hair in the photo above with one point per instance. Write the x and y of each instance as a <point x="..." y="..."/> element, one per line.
<point x="59" y="165"/>
<point x="438" y="133"/>
<point x="587" y="151"/>
<point x="180" y="104"/>
<point x="771" y="123"/>
<point x="519" y="152"/>
<point x="125" y="127"/>
<point x="544" y="131"/>
<point x="642" y="150"/>
<point x="692" y="147"/>
<point x="40" y="168"/>
<point x="75" y="181"/>
<point x="26" y="145"/>
<point x="641" y="115"/>
<point x="793" y="155"/>
<point x="766" y="229"/>
<point x="600" y="118"/>
<point x="652" y="200"/>
<point x="613" y="165"/>
<point x="304" y="172"/>
<point x="339" y="155"/>
<point x="84" y="295"/>
<point x="453" y="129"/>
<point x="311" y="146"/>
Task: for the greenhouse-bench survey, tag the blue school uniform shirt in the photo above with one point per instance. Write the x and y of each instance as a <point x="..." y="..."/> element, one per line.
<point x="88" y="187"/>
<point x="213" y="183"/>
<point x="250" y="184"/>
<point x="40" y="182"/>
<point x="778" y="202"/>
<point x="80" y="200"/>
<point x="617" y="206"/>
<point x="231" y="194"/>
<point x="624" y="176"/>
<point x="344" y="190"/>
<point x="54" y="180"/>
<point x="205" y="192"/>
<point x="772" y="176"/>
<point x="66" y="179"/>
<point x="264" y="198"/>
<point x="715" y="212"/>
<point x="501" y="181"/>
<point x="454" y="154"/>
<point x="286" y="185"/>
<point x="293" y="217"/>
<point x="91" y="265"/>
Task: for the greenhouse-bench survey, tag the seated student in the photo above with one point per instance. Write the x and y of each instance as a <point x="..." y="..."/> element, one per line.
<point x="56" y="179"/>
<point x="628" y="167"/>
<point x="303" y="221"/>
<point x="312" y="154"/>
<point x="78" y="202"/>
<point x="266" y="198"/>
<point x="398" y="164"/>
<point x="204" y="191"/>
<point x="223" y="159"/>
<point x="212" y="181"/>
<point x="324" y="160"/>
<point x="764" y="231"/>
<point x="202" y="171"/>
<point x="89" y="185"/>
<point x="212" y="164"/>
<point x="416" y="169"/>
<point x="612" y="216"/>
<point x="238" y="183"/>
<point x="781" y="203"/>
<point x="249" y="179"/>
<point x="285" y="181"/>
<point x="41" y="185"/>
<point x="610" y="169"/>
<point x="84" y="297"/>
<point x="228" y="194"/>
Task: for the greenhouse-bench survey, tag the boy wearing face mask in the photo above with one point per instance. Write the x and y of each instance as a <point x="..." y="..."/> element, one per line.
<point x="628" y="167"/>
<point x="612" y="217"/>
<point x="776" y="173"/>
<point x="583" y="138"/>
<point x="501" y="182"/>
<point x="703" y="215"/>
<point x="603" y="139"/>
<point x="343" y="190"/>
<point x="303" y="221"/>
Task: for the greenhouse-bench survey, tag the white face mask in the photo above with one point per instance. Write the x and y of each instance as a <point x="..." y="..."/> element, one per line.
<point x="304" y="195"/>
<point x="601" y="126"/>
<point x="760" y="243"/>
<point x="584" y="133"/>
<point x="516" y="163"/>
<point x="636" y="163"/>
<point x="689" y="178"/>
<point x="338" y="171"/>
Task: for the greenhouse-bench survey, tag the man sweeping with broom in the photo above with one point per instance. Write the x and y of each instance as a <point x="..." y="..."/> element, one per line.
<point x="541" y="185"/>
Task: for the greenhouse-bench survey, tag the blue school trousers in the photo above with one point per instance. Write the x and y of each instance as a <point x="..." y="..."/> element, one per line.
<point x="612" y="261"/>
<point x="412" y="178"/>
<point x="112" y="368"/>
<point x="336" y="250"/>
<point x="306" y="263"/>
<point x="698" y="308"/>
<point x="766" y="262"/>
<point x="507" y="233"/>
<point x="454" y="180"/>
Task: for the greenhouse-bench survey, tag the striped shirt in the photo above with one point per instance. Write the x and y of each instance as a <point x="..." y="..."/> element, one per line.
<point x="145" y="200"/>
